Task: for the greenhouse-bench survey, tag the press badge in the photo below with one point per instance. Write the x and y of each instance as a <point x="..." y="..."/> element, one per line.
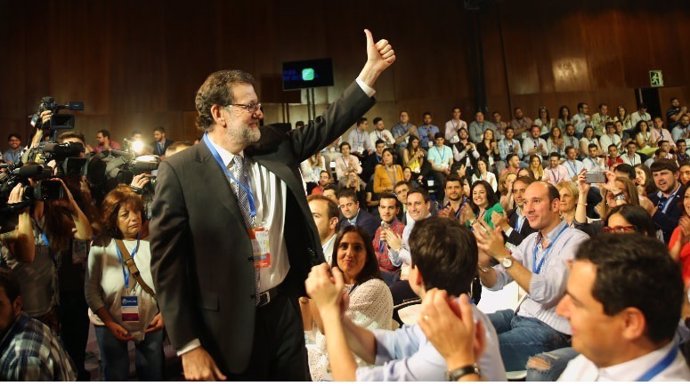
<point x="130" y="308"/>
<point x="261" y="246"/>
<point x="431" y="144"/>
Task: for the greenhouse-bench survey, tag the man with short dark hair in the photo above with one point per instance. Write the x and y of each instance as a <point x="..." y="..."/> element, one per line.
<point x="427" y="131"/>
<point x="520" y="122"/>
<point x="104" y="142"/>
<point x="582" y="118"/>
<point x="682" y="129"/>
<point x="28" y="349"/>
<point x="601" y="119"/>
<point x="359" y="139"/>
<point x="160" y="142"/>
<point x="570" y="137"/>
<point x="621" y="326"/>
<point x="444" y="257"/>
<point x="388" y="211"/>
<point x="352" y="214"/>
<point x="454" y="124"/>
<point x="556" y="172"/>
<point x="593" y="162"/>
<point x="572" y="164"/>
<point x="453" y="198"/>
<point x="534" y="145"/>
<point x="401" y="189"/>
<point x="631" y="157"/>
<point x="440" y="157"/>
<point x="509" y="145"/>
<point x="539" y="266"/>
<point x="380" y="133"/>
<point x="331" y="191"/>
<point x="675" y="112"/>
<point x="667" y="209"/>
<point x="640" y="115"/>
<point x="479" y="126"/>
<point x="515" y="225"/>
<point x="13" y="154"/>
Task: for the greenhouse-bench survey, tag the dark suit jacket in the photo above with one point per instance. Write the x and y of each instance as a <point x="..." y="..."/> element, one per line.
<point x="516" y="237"/>
<point x="201" y="255"/>
<point x="668" y="221"/>
<point x="366" y="221"/>
<point x="156" y="151"/>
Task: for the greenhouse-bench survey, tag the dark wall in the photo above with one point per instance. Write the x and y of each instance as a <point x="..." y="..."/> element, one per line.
<point x="137" y="64"/>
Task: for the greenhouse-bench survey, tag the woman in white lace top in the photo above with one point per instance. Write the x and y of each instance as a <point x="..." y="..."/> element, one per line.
<point x="370" y="300"/>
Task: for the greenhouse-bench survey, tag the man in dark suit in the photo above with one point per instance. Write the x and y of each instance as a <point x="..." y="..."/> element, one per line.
<point x="352" y="214"/>
<point x="667" y="208"/>
<point x="232" y="236"/>
<point x="515" y="226"/>
<point x="161" y="143"/>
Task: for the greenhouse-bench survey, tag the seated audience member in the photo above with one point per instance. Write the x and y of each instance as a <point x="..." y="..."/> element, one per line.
<point x="326" y="216"/>
<point x="414" y="157"/>
<point x="682" y="151"/>
<point x="444" y="256"/>
<point x="388" y="211"/>
<point x="311" y="169"/>
<point x="509" y="145"/>
<point x="324" y="180"/>
<point x="610" y="138"/>
<point x="479" y="126"/>
<point x="12" y="155"/>
<point x="622" y="219"/>
<point x="555" y="142"/>
<point x="613" y="158"/>
<point x="419" y="208"/>
<point x="359" y="139"/>
<point x="679" y="245"/>
<point x="615" y="192"/>
<point x="515" y="225"/>
<point x="666" y="209"/>
<point x="453" y="200"/>
<point x="370" y="304"/>
<point x="570" y="138"/>
<point x="482" y="173"/>
<point x="568" y="197"/>
<point x="440" y="158"/>
<point x="401" y="189"/>
<point x="483" y="204"/>
<point x="500" y="124"/>
<point x="380" y="133"/>
<point x="594" y="161"/>
<point x="624" y="334"/>
<point x="352" y="214"/>
<point x="684" y="170"/>
<point x="427" y="131"/>
<point x="572" y="164"/>
<point x="104" y="142"/>
<point x="556" y="172"/>
<point x="512" y="165"/>
<point x="488" y="147"/>
<point x="119" y="291"/>
<point x="29" y="350"/>
<point x="534" y="145"/>
<point x="521" y="123"/>
<point x="539" y="266"/>
<point x="387" y="174"/>
<point x="402" y="131"/>
<point x="620" y="328"/>
<point x="644" y="181"/>
<point x="454" y="124"/>
<point x="347" y="163"/>
<point x="588" y="138"/>
<point x="631" y="157"/>
<point x="535" y="168"/>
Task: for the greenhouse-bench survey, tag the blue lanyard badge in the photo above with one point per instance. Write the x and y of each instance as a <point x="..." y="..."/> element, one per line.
<point x="659" y="366"/>
<point x="125" y="271"/>
<point x="536" y="268"/>
<point x="663" y="205"/>
<point x="219" y="160"/>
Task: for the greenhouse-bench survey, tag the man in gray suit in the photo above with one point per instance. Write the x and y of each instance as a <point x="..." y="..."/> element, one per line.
<point x="232" y="236"/>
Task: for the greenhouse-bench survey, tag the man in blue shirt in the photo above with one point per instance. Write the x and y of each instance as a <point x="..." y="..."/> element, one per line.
<point x="427" y="132"/>
<point x="444" y="256"/>
<point x="11" y="155"/>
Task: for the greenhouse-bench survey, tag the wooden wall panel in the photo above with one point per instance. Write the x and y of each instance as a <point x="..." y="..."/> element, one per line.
<point x="137" y="64"/>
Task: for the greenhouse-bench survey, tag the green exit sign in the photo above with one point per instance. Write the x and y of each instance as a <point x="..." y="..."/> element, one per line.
<point x="656" y="78"/>
<point x="307" y="74"/>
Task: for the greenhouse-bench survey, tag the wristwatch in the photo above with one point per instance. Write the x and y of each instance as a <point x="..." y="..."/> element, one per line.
<point x="507" y="262"/>
<point x="454" y="375"/>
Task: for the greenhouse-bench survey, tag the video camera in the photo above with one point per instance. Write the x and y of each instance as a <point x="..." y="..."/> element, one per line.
<point x="57" y="121"/>
<point x="123" y="165"/>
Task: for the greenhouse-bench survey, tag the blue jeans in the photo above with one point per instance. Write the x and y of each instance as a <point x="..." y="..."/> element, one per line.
<point x="519" y="338"/>
<point x="548" y="366"/>
<point x="115" y="356"/>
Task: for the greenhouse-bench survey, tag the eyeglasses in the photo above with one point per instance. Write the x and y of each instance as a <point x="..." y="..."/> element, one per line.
<point x="619" y="229"/>
<point x="251" y="108"/>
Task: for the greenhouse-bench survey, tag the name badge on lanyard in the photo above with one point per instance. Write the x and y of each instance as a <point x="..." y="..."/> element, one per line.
<point x="130" y="308"/>
<point x="261" y="246"/>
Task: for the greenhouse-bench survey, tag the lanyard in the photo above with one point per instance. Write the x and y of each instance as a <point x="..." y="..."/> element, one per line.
<point x="537" y="268"/>
<point x="659" y="366"/>
<point x="125" y="272"/>
<point x="219" y="160"/>
<point x="573" y="167"/>
<point x="668" y="200"/>
<point x="556" y="176"/>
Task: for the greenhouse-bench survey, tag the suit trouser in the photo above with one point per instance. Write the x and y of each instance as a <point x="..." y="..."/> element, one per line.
<point x="279" y="352"/>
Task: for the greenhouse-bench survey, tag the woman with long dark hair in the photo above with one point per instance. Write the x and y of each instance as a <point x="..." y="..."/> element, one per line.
<point x="483" y="203"/>
<point x="370" y="301"/>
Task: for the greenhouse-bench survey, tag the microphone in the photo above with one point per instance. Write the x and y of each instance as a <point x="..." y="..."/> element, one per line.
<point x="382" y="244"/>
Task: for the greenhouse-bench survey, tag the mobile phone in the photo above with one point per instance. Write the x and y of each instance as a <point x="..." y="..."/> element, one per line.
<point x="595" y="177"/>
